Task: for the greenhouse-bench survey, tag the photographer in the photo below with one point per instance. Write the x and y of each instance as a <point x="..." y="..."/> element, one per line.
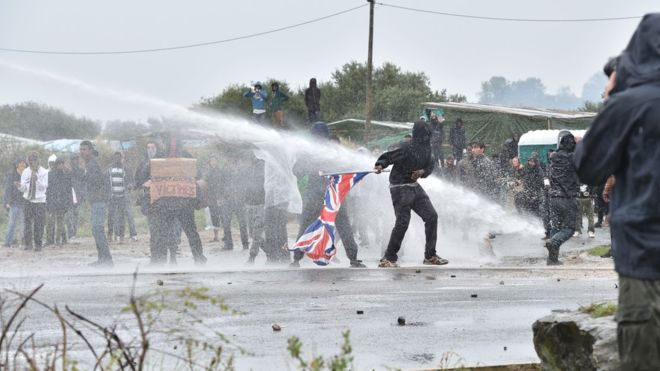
<point x="624" y="141"/>
<point x="258" y="97"/>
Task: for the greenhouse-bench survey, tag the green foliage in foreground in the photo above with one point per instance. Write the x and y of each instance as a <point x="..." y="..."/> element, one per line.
<point x="599" y="250"/>
<point x="341" y="362"/>
<point x="597" y="310"/>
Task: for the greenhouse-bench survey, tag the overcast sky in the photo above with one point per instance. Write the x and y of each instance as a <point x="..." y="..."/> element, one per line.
<point x="456" y="53"/>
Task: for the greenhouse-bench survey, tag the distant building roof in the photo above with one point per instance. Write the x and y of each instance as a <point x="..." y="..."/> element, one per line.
<point x="538" y="112"/>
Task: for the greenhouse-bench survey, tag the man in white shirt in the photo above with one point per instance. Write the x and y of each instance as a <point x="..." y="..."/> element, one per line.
<point x="34" y="182"/>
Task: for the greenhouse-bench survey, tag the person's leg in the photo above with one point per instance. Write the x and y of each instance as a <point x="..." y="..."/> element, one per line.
<point x="402" y="200"/>
<point x="110" y="221"/>
<point x="311" y="212"/>
<point x="239" y="211"/>
<point x="225" y="216"/>
<point x="11" y="225"/>
<point x="39" y="224"/>
<point x="60" y="231"/>
<point x="345" y="231"/>
<point x="423" y="207"/>
<point x="214" y="216"/>
<point x="589" y="210"/>
<point x="161" y="234"/>
<point x="638" y="324"/>
<point x="281" y="236"/>
<point x="28" y="225"/>
<point x="97" y="220"/>
<point x="50" y="227"/>
<point x="564" y="211"/>
<point x="128" y="212"/>
<point x="578" y="217"/>
<point x="257" y="221"/>
<point x="186" y="216"/>
<point x="120" y="213"/>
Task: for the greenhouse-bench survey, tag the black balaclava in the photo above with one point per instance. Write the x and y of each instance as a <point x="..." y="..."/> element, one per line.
<point x="567" y="143"/>
<point x="420" y="147"/>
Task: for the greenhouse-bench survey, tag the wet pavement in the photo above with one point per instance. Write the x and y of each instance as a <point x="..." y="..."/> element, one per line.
<point x="476" y="311"/>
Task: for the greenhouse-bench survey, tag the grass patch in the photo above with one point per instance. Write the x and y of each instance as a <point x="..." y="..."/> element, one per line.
<point x="599" y="250"/>
<point x="597" y="310"/>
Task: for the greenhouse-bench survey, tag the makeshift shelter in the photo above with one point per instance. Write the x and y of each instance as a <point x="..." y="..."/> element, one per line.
<point x="487" y="123"/>
<point x="494" y="124"/>
<point x="540" y="141"/>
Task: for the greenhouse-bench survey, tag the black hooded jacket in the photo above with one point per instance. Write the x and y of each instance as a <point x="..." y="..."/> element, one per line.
<point x="313" y="96"/>
<point x="408" y="157"/>
<point x="563" y="178"/>
<point x="624" y="140"/>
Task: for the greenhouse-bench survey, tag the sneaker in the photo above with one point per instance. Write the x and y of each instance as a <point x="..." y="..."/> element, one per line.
<point x="384" y="263"/>
<point x="357" y="264"/>
<point x="577" y="234"/>
<point x="134" y="238"/>
<point x="435" y="260"/>
<point x="591" y="234"/>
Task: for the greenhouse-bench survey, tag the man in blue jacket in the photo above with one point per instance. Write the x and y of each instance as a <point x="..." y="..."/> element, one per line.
<point x="258" y="97"/>
<point x="624" y="140"/>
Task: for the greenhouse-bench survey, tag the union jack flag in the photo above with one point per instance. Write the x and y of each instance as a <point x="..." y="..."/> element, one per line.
<point x="318" y="240"/>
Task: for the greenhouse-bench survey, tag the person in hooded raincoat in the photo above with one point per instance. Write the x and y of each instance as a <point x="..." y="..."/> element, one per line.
<point x="313" y="101"/>
<point x="411" y="161"/>
<point x="624" y="140"/>
<point x="562" y="193"/>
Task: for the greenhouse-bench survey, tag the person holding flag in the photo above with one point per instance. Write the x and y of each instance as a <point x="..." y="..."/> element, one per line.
<point x="411" y="160"/>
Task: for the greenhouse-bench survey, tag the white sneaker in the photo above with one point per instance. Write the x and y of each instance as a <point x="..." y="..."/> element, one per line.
<point x="576" y="234"/>
<point x="592" y="234"/>
<point x="134" y="239"/>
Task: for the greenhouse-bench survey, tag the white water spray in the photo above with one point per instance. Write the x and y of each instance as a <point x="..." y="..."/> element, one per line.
<point x="464" y="218"/>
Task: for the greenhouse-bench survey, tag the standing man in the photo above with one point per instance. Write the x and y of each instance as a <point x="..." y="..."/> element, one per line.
<point x="72" y="216"/>
<point x="59" y="199"/>
<point x="142" y="184"/>
<point x="119" y="187"/>
<point x="624" y="141"/>
<point x="98" y="191"/>
<point x="411" y="161"/>
<point x="276" y="104"/>
<point x="34" y="182"/>
<point x="457" y="139"/>
<point x="313" y="101"/>
<point x="562" y="193"/>
<point x="437" y="137"/>
<point x="13" y="200"/>
<point x="258" y="98"/>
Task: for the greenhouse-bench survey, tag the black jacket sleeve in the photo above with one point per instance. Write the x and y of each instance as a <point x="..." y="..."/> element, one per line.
<point x="602" y="149"/>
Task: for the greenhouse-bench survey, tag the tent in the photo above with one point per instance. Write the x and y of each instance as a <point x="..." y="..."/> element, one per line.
<point x="494" y="124"/>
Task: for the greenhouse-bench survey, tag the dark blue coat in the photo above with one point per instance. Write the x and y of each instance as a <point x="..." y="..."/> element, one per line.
<point x="624" y="140"/>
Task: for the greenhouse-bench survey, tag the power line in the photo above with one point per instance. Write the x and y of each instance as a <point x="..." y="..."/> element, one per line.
<point x="508" y="19"/>
<point x="188" y="46"/>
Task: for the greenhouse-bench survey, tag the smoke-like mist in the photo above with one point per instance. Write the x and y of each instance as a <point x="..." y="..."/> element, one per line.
<point x="465" y="219"/>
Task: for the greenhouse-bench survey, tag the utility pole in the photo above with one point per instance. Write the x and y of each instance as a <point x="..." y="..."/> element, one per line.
<point x="370" y="97"/>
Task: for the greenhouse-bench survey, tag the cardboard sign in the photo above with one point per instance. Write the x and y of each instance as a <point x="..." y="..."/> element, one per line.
<point x="173" y="177"/>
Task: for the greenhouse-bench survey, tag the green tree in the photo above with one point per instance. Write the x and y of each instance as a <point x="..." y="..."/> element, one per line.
<point x="42" y="122"/>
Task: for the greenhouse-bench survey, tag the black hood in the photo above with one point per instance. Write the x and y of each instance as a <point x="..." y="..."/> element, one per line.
<point x="421" y="134"/>
<point x="567" y="143"/>
<point x="640" y="61"/>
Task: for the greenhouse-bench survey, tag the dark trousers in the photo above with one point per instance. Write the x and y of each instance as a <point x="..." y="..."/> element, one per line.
<point x="458" y="153"/>
<point x="116" y="213"/>
<point x="161" y="219"/>
<point x="227" y="212"/>
<point x="545" y="212"/>
<point x="311" y="212"/>
<point x="72" y="219"/>
<point x="276" y="234"/>
<point x="438" y="156"/>
<point x="55" y="229"/>
<point x="34" y="220"/>
<point x="214" y="210"/>
<point x="563" y="212"/>
<point x="255" y="218"/>
<point x="638" y="324"/>
<point x="313" y="115"/>
<point x="405" y="199"/>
